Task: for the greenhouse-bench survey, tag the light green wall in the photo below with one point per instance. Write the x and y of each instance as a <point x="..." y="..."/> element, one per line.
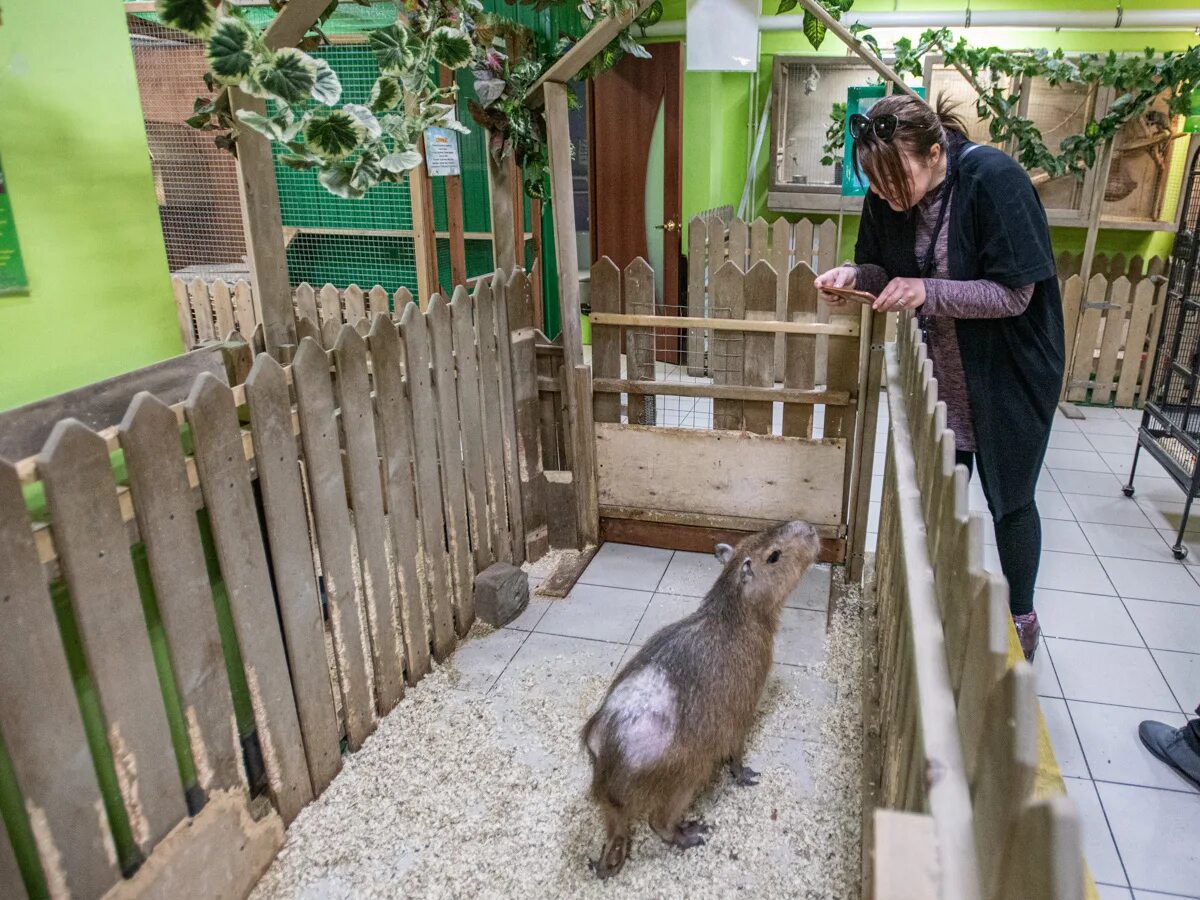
<point x="77" y="165"/>
<point x="717" y="105"/>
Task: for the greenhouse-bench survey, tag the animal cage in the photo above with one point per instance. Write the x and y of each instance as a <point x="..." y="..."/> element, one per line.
<point x="1170" y="428"/>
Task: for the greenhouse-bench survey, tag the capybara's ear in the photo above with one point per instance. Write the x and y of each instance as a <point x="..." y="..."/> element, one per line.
<point x="724" y="553"/>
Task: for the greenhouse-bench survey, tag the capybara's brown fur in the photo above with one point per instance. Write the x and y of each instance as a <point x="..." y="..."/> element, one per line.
<point x="686" y="702"/>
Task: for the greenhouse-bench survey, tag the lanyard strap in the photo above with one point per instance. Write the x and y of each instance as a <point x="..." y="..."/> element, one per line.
<point x="947" y="190"/>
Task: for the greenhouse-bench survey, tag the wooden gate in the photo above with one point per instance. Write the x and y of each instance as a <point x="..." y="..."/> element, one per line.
<point x="707" y="447"/>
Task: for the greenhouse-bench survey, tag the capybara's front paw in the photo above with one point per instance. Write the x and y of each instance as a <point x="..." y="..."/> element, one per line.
<point x="611" y="860"/>
<point x="746" y="777"/>
<point x="691" y="834"/>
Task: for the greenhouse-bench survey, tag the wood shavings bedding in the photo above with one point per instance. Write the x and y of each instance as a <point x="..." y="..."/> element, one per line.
<point x="458" y="794"/>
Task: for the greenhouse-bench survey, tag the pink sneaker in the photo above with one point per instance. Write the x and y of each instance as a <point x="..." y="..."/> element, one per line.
<point x="1029" y="632"/>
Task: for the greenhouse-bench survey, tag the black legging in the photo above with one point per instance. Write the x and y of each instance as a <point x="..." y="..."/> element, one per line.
<point x="1019" y="540"/>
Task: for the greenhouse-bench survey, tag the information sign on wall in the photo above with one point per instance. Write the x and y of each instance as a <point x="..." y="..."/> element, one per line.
<point x="441" y="151"/>
<point x="12" y="269"/>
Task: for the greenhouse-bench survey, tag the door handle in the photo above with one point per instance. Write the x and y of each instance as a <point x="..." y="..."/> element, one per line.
<point x="669" y="225"/>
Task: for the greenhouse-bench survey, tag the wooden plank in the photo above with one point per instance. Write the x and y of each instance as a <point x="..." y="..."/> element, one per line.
<point x="166" y="518"/>
<point x="327" y="493"/>
<point x="639" y="341"/>
<point x="415" y="337"/>
<point x="43" y="731"/>
<point x="1114" y="334"/>
<point x="202" y="310"/>
<point x="725" y="391"/>
<point x="306" y="302"/>
<point x="842" y="375"/>
<point x="860" y="466"/>
<point x="1152" y="340"/>
<point x="229" y="497"/>
<point x="243" y="307"/>
<point x="277" y="464"/>
<point x="394" y="412"/>
<point x="1135" y="342"/>
<point x="454" y="207"/>
<point x="222" y="303"/>
<point x="1086" y="337"/>
<point x="183" y="312"/>
<point x="905" y="855"/>
<point x="802" y="237"/>
<point x="847" y="328"/>
<point x="330" y="304"/>
<point x="760" y="288"/>
<point x="760" y="233"/>
<point x="566" y="574"/>
<point x="500" y="176"/>
<point x="739" y="244"/>
<point x="649" y="532"/>
<point x="889" y="76"/>
<point x="94" y="556"/>
<point x="584" y="461"/>
<point x="308" y="328"/>
<point x="800" y="369"/>
<point x="466" y="358"/>
<point x="825" y="254"/>
<point x="377" y="302"/>
<point x="356" y="309"/>
<point x="538" y="266"/>
<point x="780" y="259"/>
<point x="727" y="359"/>
<point x="493" y="423"/>
<point x="742" y="524"/>
<point x="525" y="413"/>
<point x="512" y="468"/>
<point x="1045" y="857"/>
<point x="1072" y="300"/>
<point x="697" y="253"/>
<point x="424" y="242"/>
<point x="753" y="474"/>
<point x="450" y="452"/>
<point x="605" y="296"/>
<point x="361" y="457"/>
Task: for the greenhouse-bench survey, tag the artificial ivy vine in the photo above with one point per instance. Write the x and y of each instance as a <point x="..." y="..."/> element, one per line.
<point x="1138" y="80"/>
<point x="353" y="147"/>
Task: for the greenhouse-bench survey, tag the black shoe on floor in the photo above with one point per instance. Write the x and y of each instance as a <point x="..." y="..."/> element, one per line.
<point x="1179" y="748"/>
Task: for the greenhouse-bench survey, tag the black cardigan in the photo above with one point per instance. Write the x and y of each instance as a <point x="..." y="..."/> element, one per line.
<point x="997" y="230"/>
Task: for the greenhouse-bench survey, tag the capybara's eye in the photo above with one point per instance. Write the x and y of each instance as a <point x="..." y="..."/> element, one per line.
<point x="774" y="557"/>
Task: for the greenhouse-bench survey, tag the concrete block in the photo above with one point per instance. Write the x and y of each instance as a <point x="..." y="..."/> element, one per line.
<point x="501" y="594"/>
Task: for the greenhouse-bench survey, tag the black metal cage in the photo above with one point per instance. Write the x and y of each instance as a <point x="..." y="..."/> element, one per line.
<point x="1170" y="429"/>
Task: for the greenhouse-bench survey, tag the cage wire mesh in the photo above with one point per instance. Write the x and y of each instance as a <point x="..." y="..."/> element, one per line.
<point x="809" y="89"/>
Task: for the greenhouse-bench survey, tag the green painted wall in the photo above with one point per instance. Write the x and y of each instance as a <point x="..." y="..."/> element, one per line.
<point x="717" y="106"/>
<point x="78" y="169"/>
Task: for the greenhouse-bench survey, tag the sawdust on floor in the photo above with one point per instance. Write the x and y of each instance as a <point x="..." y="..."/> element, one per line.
<point x="457" y="794"/>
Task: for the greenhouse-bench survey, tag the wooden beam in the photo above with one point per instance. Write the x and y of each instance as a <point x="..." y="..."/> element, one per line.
<point x="293" y="22"/>
<point x="504" y="250"/>
<point x="834" y="329"/>
<point x="840" y="30"/>
<point x="727" y="391"/>
<point x="692" y="538"/>
<point x="424" y="243"/>
<point x="585" y="49"/>
<point x="454" y="210"/>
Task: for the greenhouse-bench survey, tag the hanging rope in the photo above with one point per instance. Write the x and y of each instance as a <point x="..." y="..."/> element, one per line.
<point x="967" y="17"/>
<point x="1120" y="13"/>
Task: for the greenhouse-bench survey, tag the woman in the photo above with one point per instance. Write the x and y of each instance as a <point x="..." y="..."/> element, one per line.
<point x="956" y="231"/>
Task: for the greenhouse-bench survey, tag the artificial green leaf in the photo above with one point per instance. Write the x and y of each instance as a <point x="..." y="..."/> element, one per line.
<point x="631" y="46"/>
<point x="391" y="49"/>
<point x="328" y="87"/>
<point x="192" y="16"/>
<point x="337" y="180"/>
<point x="281" y="127"/>
<point x="366" y="119"/>
<point x="814" y="30"/>
<point x="287" y="74"/>
<point x="401" y="161"/>
<point x="385" y="94"/>
<point x="367" y="173"/>
<point x="333" y="134"/>
<point x="786" y="6"/>
<point x="230" y="50"/>
<point x="451" y="47"/>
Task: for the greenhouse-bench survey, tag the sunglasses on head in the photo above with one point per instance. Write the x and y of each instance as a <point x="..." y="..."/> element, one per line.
<point x="882" y="126"/>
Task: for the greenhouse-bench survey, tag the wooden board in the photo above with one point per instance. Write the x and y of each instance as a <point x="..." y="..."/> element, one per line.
<point x="166" y="517"/>
<point x="362" y="472"/>
<point x="584" y="458"/>
<point x="454" y="492"/>
<point x="1072" y="299"/>
<point x="604" y="294"/>
<point x="1135" y="342"/>
<point x="758" y="370"/>
<point x="493" y="423"/>
<point x="327" y="493"/>
<point x="202" y="309"/>
<point x="306" y="302"/>
<point x="567" y="66"/>
<point x="727" y="357"/>
<point x="277" y="464"/>
<point x="1110" y="345"/>
<point x="330" y="304"/>
<point x="415" y="335"/>
<point x="739" y="244"/>
<point x="693" y="538"/>
<point x="183" y="311"/>
<point x="525" y="419"/>
<point x="1085" y="339"/>
<point x="225" y="481"/>
<point x="94" y="556"/>
<point x="760" y="477"/>
<point x="905" y="852"/>
<point x="243" y="306"/>
<point x="500" y="176"/>
<point x="512" y="474"/>
<point x="564" y="577"/>
<point x="222" y="302"/>
<point x="800" y="350"/>
<point x="784" y="395"/>
<point x="466" y="360"/>
<point x="639" y="341"/>
<point x="40" y="721"/>
<point x="780" y="258"/>
<point x="697" y="260"/>
<point x="377" y="302"/>
<point x="356" y="309"/>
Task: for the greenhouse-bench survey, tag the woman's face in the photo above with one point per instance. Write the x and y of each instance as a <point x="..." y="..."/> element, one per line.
<point x="923" y="174"/>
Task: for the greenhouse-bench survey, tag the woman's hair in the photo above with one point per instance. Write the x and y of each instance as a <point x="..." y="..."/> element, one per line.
<point x="918" y="128"/>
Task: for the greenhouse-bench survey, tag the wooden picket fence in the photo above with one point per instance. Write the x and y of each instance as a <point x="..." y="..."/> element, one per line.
<point x="952" y="730"/>
<point x="335" y="510"/>
<point x="1112" y="326"/>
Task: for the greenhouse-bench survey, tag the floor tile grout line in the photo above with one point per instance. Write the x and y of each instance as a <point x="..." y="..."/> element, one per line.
<point x="1153" y="658"/>
<point x="1108" y="824"/>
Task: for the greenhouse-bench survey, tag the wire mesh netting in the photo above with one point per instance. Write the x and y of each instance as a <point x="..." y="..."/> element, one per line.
<point x="808" y="90"/>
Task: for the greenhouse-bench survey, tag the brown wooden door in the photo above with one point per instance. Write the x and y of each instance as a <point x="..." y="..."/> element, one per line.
<point x="625" y="106"/>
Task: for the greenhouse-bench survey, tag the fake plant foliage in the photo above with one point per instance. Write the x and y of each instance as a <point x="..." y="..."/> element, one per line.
<point x="353" y="147"/>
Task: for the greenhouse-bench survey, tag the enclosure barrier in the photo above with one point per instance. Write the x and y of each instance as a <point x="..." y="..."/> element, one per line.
<point x="952" y="732"/>
<point x="202" y="603"/>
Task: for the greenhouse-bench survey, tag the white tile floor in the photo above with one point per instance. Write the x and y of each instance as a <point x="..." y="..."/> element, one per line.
<point x="1122" y="623"/>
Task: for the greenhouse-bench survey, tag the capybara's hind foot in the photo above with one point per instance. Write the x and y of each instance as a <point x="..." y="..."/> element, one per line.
<point x="744" y="776"/>
<point x="691" y="834"/>
<point x="611" y="859"/>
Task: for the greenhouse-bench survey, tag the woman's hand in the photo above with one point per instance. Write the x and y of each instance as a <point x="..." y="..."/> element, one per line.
<point x="900" y="293"/>
<point x="841" y="277"/>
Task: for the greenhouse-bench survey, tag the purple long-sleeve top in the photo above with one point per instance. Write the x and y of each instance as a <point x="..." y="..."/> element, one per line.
<point x="945" y="301"/>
